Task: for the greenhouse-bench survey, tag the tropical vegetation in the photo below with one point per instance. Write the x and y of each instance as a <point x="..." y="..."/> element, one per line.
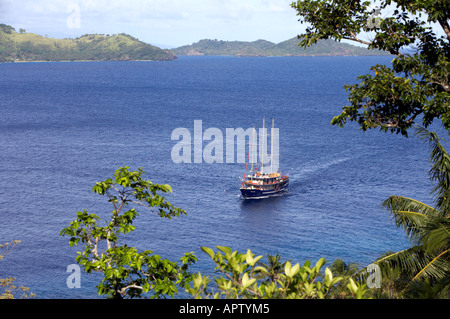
<point x="23" y="46"/>
<point x="416" y="86"/>
<point x="127" y="272"/>
<point x="392" y="98"/>
<point x="425" y="267"/>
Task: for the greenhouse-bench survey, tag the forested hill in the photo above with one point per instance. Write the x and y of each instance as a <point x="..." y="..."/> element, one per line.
<point x="23" y="46"/>
<point x="267" y="48"/>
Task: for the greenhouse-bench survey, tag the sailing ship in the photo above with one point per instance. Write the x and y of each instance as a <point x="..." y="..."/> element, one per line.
<point x="258" y="183"/>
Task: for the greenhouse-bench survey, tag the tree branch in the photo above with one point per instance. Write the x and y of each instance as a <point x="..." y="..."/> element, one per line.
<point x="123" y="291"/>
<point x="95" y="247"/>
<point x="144" y="205"/>
<point x="445" y="26"/>
<point x="356" y="39"/>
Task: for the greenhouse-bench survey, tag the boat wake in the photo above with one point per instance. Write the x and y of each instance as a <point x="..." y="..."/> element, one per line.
<point x="300" y="176"/>
<point x="311" y="169"/>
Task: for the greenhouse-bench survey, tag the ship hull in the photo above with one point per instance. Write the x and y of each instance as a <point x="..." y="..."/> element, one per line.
<point x="250" y="193"/>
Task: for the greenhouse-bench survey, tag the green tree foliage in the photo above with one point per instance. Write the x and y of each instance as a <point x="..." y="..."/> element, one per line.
<point x="425" y="267"/>
<point x="417" y="82"/>
<point x="7" y="28"/>
<point x="274" y="267"/>
<point x="128" y="272"/>
<point x="243" y="277"/>
<point x="346" y="271"/>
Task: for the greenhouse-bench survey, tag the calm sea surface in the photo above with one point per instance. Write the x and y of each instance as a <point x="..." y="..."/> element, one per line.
<point x="65" y="126"/>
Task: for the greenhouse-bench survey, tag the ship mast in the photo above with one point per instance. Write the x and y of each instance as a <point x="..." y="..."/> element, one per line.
<point x="263" y="147"/>
<point x="271" y="146"/>
<point x="252" y="148"/>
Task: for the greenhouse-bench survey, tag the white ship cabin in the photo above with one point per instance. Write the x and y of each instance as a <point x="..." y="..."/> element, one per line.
<point x="263" y="179"/>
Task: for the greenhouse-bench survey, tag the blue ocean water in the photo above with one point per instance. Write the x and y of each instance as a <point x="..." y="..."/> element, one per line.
<point x="65" y="126"/>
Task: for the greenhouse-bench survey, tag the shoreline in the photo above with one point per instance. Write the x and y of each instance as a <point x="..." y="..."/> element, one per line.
<point x="68" y="61"/>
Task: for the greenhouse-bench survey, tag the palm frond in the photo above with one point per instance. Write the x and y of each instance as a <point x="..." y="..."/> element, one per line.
<point x="410" y="214"/>
<point x="426" y="289"/>
<point x="405" y="263"/>
<point x="440" y="169"/>
<point x="413" y="264"/>
<point x="340" y="268"/>
<point x="436" y="235"/>
<point x="438" y="267"/>
<point x="401" y="203"/>
<point x="428" y="227"/>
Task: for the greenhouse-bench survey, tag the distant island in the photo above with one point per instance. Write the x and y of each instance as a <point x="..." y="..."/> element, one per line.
<point x="266" y="48"/>
<point x="28" y="47"/>
<point x="21" y="46"/>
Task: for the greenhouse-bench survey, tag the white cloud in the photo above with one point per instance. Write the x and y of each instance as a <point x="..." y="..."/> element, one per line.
<point x="174" y="22"/>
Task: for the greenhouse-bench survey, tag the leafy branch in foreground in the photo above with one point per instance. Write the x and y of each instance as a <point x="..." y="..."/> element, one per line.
<point x="243" y="277"/>
<point x="417" y="83"/>
<point x="128" y="272"/>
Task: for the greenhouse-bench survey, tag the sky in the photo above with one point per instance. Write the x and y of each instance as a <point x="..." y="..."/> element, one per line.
<point x="166" y="23"/>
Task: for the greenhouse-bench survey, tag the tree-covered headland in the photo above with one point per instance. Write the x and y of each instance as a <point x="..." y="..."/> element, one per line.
<point x="28" y="47"/>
